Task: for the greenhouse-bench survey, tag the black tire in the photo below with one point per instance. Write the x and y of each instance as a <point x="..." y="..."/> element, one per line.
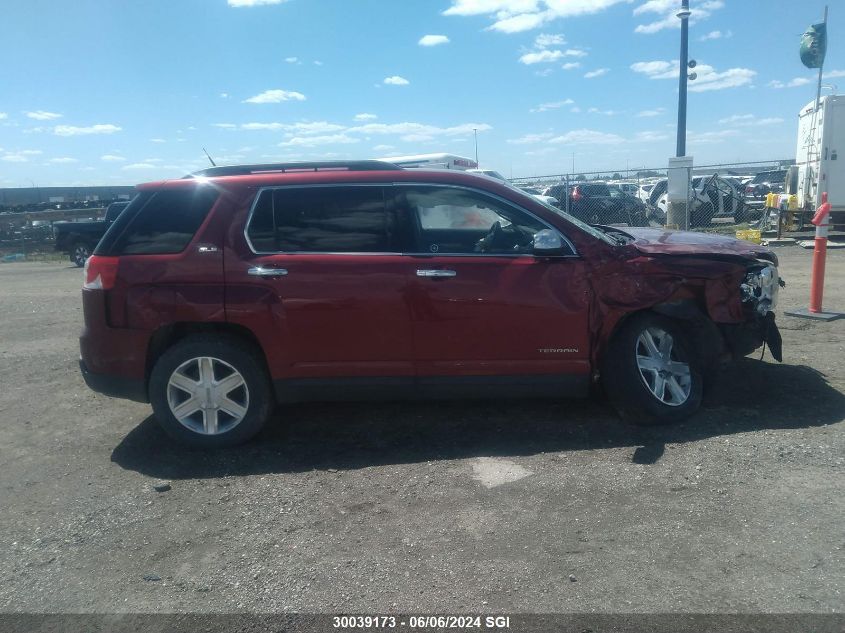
<point x="626" y="385"/>
<point x="79" y="253"/>
<point x="703" y="216"/>
<point x="232" y="351"/>
<point x="741" y="213"/>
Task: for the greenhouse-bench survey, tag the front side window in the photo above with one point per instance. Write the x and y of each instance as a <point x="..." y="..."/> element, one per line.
<point x="460" y="221"/>
<point x="322" y="220"/>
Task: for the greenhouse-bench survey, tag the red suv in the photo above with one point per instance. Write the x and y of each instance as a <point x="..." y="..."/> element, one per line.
<point x="221" y="295"/>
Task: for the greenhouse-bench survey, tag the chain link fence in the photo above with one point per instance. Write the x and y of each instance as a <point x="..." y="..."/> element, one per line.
<point x="724" y="196"/>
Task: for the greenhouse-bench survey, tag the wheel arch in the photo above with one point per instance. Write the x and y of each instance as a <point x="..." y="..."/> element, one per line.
<point x="168" y="335"/>
<point x="705" y="336"/>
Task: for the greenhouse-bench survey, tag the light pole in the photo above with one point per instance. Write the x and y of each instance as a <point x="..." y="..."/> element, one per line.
<point x="682" y="79"/>
<point x="680" y="167"/>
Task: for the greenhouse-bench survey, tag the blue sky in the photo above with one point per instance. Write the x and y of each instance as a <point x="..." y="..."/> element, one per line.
<point x="107" y="92"/>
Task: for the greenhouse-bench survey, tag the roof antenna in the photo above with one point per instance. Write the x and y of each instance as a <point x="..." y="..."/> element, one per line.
<point x="210" y="159"/>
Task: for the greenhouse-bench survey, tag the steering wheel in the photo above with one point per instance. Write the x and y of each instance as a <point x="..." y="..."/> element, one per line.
<point x="489" y="239"/>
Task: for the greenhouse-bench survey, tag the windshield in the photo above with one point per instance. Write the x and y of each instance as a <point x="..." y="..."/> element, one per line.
<point x="596" y="233"/>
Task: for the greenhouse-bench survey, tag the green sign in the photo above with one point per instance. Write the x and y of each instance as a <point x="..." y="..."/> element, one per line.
<point x="814" y="46"/>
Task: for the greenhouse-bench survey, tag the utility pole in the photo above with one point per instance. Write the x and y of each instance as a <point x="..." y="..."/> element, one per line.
<point x="682" y="80"/>
<point x="680" y="168"/>
<point x="821" y="66"/>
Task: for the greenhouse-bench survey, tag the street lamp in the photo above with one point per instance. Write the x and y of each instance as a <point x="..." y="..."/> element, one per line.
<point x="684" y="15"/>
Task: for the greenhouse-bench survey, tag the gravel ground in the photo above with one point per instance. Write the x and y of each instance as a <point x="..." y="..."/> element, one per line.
<point x="455" y="507"/>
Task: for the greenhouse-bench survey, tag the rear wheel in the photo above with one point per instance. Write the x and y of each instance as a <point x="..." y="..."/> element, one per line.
<point x="650" y="372"/>
<point x="79" y="253"/>
<point x="210" y="392"/>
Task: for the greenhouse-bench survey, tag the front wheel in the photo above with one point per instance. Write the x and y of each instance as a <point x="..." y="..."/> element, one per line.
<point x="650" y="372"/>
<point x="210" y="392"/>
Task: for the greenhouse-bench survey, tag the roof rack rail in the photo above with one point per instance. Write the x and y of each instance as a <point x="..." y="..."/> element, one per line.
<point x="275" y="168"/>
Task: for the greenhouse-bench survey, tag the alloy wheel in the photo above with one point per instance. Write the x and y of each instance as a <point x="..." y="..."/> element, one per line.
<point x="207" y="395"/>
<point x="667" y="377"/>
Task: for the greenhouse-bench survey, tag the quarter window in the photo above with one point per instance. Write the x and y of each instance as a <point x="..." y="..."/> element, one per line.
<point x="322" y="220"/>
<point x="165" y="222"/>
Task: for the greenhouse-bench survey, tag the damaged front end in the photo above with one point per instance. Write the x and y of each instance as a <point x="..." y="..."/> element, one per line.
<point x="758" y="295"/>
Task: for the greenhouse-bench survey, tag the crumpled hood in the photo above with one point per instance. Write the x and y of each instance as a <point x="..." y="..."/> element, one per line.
<point x="663" y="242"/>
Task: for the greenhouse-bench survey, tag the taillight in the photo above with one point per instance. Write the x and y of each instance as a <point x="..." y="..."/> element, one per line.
<point x="576" y="194"/>
<point x="100" y="272"/>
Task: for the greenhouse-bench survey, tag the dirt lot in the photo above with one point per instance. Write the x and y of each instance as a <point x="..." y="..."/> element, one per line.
<point x="481" y="506"/>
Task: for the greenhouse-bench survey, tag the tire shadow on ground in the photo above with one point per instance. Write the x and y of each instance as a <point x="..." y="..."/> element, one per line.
<point x="749" y="396"/>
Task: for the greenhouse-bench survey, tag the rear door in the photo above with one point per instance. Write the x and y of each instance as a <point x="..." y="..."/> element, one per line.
<point x="484" y="309"/>
<point x="319" y="277"/>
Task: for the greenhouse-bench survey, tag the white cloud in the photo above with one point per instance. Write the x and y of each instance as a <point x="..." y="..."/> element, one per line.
<point x="433" y="40"/>
<point x="253" y="3"/>
<point x="365" y="116"/>
<point x="396" y="80"/>
<point x="596" y="73"/>
<point x="650" y="136"/>
<point x="657" y="69"/>
<point x="708" y="77"/>
<point x="716" y="35"/>
<point x="792" y="83"/>
<point x="157" y="140"/>
<point x="548" y="55"/>
<point x="292" y="60"/>
<point x="43" y="115"/>
<point x="546" y="40"/>
<point x="14" y="158"/>
<point x="383" y="148"/>
<point x="138" y="166"/>
<point x="530" y="139"/>
<point x="668" y="9"/>
<point x="605" y="112"/>
<point x="63" y="160"/>
<point x="224" y="95"/>
<point x="317" y="62"/>
<point x="276" y="96"/>
<point x="416" y="130"/>
<point x="3" y="115"/>
<point x="72" y="130"/>
<point x="112" y="158"/>
<point x="552" y="105"/>
<point x="587" y="137"/>
<point x="828" y="75"/>
<point x="541" y="57"/>
<point x="314" y="141"/>
<point x="571" y="65"/>
<point x="651" y="113"/>
<point x="702" y="138"/>
<point x="747" y="120"/>
<point x="514" y="16"/>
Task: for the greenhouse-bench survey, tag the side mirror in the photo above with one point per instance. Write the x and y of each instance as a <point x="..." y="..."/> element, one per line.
<point x="547" y="243"/>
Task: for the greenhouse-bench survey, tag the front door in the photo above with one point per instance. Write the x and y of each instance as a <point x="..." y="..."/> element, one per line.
<point x="482" y="304"/>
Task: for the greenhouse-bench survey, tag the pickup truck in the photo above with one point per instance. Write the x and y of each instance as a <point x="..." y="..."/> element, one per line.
<point x="78" y="239"/>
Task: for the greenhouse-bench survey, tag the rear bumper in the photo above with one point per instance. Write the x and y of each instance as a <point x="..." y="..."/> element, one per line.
<point x="112" y="360"/>
<point x="114" y="386"/>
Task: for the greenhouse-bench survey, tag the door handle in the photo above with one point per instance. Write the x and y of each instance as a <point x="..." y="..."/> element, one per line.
<point x="260" y="271"/>
<point x="436" y="273"/>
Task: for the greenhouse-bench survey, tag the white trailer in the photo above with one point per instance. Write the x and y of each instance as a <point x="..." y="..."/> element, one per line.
<point x="821" y="134"/>
<point x="433" y="161"/>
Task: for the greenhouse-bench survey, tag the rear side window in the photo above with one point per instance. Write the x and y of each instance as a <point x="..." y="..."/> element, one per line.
<point x="159" y="222"/>
<point x="322" y="220"/>
<point x="595" y="190"/>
